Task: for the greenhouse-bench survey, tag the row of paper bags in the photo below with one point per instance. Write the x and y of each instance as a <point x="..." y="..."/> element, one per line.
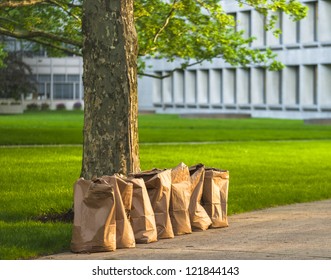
<point x="113" y="212"/>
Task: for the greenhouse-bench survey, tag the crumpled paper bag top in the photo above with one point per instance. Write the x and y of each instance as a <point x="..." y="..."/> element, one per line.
<point x="180" y="199"/>
<point x="215" y="196"/>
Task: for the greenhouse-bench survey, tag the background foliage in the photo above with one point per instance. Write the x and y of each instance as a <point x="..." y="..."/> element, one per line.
<point x="170" y="29"/>
<point x="15" y="77"/>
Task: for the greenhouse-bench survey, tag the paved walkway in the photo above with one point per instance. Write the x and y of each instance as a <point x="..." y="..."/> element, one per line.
<point x="299" y="231"/>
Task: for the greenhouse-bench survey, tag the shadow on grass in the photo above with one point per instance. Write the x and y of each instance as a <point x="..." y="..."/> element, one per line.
<point x="65" y="217"/>
<point x="25" y="240"/>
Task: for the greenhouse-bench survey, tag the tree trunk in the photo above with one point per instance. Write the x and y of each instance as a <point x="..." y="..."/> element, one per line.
<point x="110" y="51"/>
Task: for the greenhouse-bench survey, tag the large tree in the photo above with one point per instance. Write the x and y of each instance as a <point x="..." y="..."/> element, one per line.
<point x="186" y="29"/>
<point x="110" y="85"/>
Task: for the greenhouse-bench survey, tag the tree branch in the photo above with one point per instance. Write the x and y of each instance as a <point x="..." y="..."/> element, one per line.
<point x="166" y="22"/>
<point x="40" y="41"/>
<point x="25" y="3"/>
<point x="62" y="6"/>
<point x="184" y="66"/>
<point x="29" y="34"/>
<point x="16" y="4"/>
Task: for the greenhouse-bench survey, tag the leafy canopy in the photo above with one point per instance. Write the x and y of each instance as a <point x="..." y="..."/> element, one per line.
<point x="187" y="29"/>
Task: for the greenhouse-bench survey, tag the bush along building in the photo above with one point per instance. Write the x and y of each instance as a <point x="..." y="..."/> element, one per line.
<point x="301" y="90"/>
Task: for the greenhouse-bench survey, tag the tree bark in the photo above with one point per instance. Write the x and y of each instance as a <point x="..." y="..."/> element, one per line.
<point x="110" y="51"/>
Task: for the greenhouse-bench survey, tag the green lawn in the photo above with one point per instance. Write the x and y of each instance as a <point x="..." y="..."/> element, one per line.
<point x="165" y="128"/>
<point x="263" y="173"/>
<point x="66" y="128"/>
<point x="42" y="128"/>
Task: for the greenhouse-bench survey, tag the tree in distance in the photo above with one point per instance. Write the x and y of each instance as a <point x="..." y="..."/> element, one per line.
<point x="15" y="77"/>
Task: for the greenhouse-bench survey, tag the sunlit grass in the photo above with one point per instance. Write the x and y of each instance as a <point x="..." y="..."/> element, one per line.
<point x="262" y="174"/>
<point x="37" y="180"/>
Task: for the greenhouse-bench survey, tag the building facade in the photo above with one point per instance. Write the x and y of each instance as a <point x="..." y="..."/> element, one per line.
<point x="59" y="80"/>
<point x="301" y="90"/>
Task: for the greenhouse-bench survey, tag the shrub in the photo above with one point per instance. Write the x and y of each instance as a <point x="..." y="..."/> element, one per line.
<point x="32" y="107"/>
<point x="44" y="106"/>
<point x="60" y="106"/>
<point x="15" y="103"/>
<point x="77" y="106"/>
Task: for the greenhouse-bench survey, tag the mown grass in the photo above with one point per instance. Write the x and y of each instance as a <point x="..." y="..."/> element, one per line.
<point x="172" y="128"/>
<point x="262" y="174"/>
<point x="54" y="127"/>
<point x="39" y="180"/>
<point x="268" y="167"/>
<point x="66" y="128"/>
<point x="28" y="239"/>
<point x="35" y="181"/>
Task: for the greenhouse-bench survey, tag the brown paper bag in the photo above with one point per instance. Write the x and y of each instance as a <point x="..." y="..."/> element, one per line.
<point x="158" y="183"/>
<point x="142" y="215"/>
<point x="215" y="196"/>
<point x="198" y="215"/>
<point x="180" y="199"/>
<point x="124" y="232"/>
<point x="94" y="227"/>
<point x="126" y="190"/>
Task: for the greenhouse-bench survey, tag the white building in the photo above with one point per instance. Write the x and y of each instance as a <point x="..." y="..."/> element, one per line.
<point x="302" y="90"/>
<point x="59" y="80"/>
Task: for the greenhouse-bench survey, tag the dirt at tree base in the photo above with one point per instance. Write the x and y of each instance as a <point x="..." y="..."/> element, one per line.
<point x="64" y="217"/>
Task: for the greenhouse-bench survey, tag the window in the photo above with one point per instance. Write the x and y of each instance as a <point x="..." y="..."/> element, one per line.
<point x="244" y="23"/>
<point x="289" y="31"/>
<point x="157" y="89"/>
<point x="243" y="86"/>
<point x="234" y="15"/>
<point x="179" y="86"/>
<point x="258" y="30"/>
<point x="308" y="26"/>
<point x="309" y="91"/>
<point x="215" y="86"/>
<point x="324" y="21"/>
<point x="59" y="78"/>
<point x="291" y="85"/>
<point x="273" y="87"/>
<point x="272" y="40"/>
<point x="44" y="78"/>
<point x="258" y="86"/>
<point x="190" y="86"/>
<point x="325" y="86"/>
<point x="44" y="85"/>
<point x="229" y="86"/>
<point x="167" y="87"/>
<point x="203" y="86"/>
<point x="73" y="78"/>
<point x="41" y="88"/>
<point x="63" y="91"/>
<point x="76" y="90"/>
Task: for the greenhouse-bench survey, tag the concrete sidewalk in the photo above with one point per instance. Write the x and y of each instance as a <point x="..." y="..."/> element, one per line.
<point x="299" y="231"/>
